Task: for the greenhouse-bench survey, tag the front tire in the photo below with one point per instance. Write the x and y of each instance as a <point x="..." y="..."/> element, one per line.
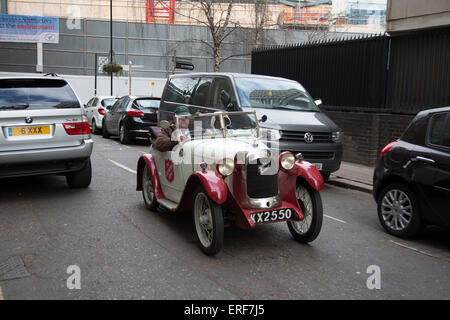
<point x="94" y="128"/>
<point x="398" y="211"/>
<point x="310" y="202"/>
<point x="81" y="178"/>
<point x="148" y="192"/>
<point x="124" y="136"/>
<point x="208" y="222"/>
<point x="105" y="133"/>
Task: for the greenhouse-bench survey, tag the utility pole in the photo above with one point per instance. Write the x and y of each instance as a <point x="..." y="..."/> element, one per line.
<point x="111" y="41"/>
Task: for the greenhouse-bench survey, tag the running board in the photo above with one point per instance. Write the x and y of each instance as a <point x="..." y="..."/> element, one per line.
<point x="168" y="204"/>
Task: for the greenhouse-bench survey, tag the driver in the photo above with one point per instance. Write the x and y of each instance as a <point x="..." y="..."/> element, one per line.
<point x="170" y="137"/>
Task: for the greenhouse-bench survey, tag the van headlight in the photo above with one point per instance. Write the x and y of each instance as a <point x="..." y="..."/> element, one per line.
<point x="225" y="167"/>
<point x="287" y="160"/>
<point x="336" y="136"/>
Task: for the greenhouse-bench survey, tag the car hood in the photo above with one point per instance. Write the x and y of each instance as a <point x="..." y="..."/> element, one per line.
<point x="213" y="150"/>
<point x="295" y="120"/>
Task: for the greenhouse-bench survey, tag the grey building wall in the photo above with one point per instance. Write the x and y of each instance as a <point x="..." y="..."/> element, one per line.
<point x="149" y="45"/>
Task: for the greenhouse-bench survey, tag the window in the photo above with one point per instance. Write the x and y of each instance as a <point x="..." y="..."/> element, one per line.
<point x="180" y="89"/>
<point x="36" y="94"/>
<point x="94" y="104"/>
<point x="147" y="103"/>
<point x="438" y="129"/>
<point x="446" y="134"/>
<point x="89" y="104"/>
<point x="219" y="85"/>
<point x="108" y="102"/>
<point x="200" y="94"/>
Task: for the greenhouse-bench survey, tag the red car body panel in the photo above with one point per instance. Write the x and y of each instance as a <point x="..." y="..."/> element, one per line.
<point x="148" y="159"/>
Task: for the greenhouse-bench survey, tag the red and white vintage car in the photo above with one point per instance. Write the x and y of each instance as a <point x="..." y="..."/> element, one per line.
<point x="226" y="174"/>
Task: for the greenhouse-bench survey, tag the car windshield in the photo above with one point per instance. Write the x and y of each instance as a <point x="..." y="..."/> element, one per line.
<point x="36" y="94"/>
<point x="219" y="124"/>
<point x="147" y="103"/>
<point x="274" y="94"/>
<point x="107" y="102"/>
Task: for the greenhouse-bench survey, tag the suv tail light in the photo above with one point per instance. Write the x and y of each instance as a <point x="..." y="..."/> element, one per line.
<point x="77" y="128"/>
<point x="135" y="113"/>
<point x="387" y="148"/>
<point x="101" y="111"/>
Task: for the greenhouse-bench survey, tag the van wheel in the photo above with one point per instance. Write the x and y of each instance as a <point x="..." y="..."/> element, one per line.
<point x="310" y="202"/>
<point x="398" y="211"/>
<point x="208" y="222"/>
<point x="81" y="178"/>
<point x="105" y="133"/>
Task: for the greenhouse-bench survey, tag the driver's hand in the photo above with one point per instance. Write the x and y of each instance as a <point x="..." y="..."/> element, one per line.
<point x="182" y="137"/>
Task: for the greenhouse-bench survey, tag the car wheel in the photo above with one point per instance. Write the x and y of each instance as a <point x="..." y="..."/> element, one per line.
<point x="105" y="133"/>
<point x="208" y="222"/>
<point x="81" y="178"/>
<point x="310" y="202"/>
<point x="124" y="136"/>
<point x="398" y="211"/>
<point x="94" y="128"/>
<point x="148" y="192"/>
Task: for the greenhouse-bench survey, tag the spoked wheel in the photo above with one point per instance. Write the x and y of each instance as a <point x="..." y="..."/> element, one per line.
<point x="398" y="211"/>
<point x="208" y="223"/>
<point x="310" y="202"/>
<point x="148" y="192"/>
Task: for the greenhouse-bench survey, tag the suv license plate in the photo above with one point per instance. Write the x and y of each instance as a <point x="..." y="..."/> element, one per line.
<point x="317" y="165"/>
<point x="28" y="131"/>
<point x="271" y="215"/>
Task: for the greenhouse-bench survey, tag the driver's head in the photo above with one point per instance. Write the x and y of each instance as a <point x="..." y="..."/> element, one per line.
<point x="182" y="115"/>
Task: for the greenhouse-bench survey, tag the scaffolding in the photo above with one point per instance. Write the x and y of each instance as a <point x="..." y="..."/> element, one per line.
<point x="160" y="11"/>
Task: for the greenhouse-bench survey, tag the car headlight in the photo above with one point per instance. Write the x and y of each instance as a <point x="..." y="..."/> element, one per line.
<point x="287" y="160"/>
<point x="225" y="167"/>
<point x="336" y="136"/>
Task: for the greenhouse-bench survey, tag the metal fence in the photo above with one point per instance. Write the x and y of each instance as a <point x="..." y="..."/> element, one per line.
<point x="402" y="74"/>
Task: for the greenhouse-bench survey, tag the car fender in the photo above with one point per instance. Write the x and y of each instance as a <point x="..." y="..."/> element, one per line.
<point x="310" y="173"/>
<point x="147" y="159"/>
<point x="213" y="184"/>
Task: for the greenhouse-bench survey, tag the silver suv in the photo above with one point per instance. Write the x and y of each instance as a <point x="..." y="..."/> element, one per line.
<point x="43" y="130"/>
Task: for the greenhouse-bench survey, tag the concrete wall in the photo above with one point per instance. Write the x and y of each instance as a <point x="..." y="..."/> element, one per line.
<point x="405" y="15"/>
<point x="84" y="85"/>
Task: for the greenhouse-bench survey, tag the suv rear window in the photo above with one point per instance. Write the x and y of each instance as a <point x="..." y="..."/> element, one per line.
<point x="36" y="94"/>
<point x="147" y="103"/>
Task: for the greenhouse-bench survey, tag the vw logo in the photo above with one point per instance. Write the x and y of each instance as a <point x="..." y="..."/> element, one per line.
<point x="28" y="119"/>
<point x="308" y="137"/>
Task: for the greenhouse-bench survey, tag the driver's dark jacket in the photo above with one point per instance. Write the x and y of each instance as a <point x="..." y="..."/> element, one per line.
<point x="164" y="141"/>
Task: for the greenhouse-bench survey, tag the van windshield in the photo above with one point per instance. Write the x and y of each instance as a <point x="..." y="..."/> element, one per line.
<point x="36" y="94"/>
<point x="274" y="94"/>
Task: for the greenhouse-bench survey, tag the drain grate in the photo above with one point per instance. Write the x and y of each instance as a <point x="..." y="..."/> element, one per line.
<point x="13" y="268"/>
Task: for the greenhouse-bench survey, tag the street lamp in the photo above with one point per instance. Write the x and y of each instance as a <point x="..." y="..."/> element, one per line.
<point x="111" y="42"/>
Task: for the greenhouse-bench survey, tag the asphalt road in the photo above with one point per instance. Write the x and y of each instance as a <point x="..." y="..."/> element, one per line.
<point x="127" y="252"/>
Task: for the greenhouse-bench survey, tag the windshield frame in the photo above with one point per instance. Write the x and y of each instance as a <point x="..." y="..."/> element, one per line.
<point x="271" y="107"/>
<point x="225" y="131"/>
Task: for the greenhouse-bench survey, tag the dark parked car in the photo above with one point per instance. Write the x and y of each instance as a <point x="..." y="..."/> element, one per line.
<point x="412" y="178"/>
<point x="130" y="117"/>
<point x="283" y="104"/>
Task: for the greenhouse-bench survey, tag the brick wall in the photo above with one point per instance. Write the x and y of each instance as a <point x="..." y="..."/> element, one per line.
<point x="365" y="134"/>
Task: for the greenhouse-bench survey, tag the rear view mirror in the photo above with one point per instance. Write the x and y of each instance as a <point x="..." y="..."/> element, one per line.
<point x="225" y="98"/>
<point x="263" y="118"/>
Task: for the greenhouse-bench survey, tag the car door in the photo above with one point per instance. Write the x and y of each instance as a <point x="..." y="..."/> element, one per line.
<point x="114" y="116"/>
<point x="108" y="118"/>
<point x="88" y="108"/>
<point x="120" y="113"/>
<point x="432" y="168"/>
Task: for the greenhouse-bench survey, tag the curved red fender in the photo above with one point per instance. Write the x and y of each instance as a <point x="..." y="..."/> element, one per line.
<point x="148" y="159"/>
<point x="214" y="185"/>
<point x="310" y="173"/>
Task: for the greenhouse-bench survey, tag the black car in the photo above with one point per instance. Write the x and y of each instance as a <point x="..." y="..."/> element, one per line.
<point x="130" y="117"/>
<point x="412" y="177"/>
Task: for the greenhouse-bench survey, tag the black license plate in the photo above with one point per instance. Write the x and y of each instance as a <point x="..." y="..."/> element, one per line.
<point x="272" y="215"/>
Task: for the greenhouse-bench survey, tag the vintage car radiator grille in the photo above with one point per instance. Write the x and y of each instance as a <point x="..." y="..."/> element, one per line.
<point x="260" y="186"/>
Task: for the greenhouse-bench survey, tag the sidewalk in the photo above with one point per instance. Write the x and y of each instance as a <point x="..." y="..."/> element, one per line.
<point x="353" y="176"/>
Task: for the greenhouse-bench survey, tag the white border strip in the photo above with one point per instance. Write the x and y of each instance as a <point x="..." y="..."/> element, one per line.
<point x="122" y="166"/>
